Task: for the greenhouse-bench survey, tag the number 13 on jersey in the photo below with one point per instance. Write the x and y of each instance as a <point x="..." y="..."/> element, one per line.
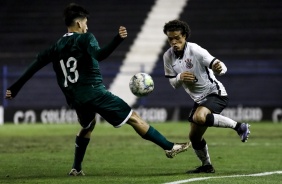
<point x="69" y="70"/>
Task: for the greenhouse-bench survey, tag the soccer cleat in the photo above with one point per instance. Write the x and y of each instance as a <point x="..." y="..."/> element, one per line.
<point x="177" y="148"/>
<point x="202" y="169"/>
<point x="244" y="131"/>
<point x="74" y="172"/>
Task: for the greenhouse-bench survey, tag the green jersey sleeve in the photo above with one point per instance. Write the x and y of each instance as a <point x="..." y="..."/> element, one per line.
<point x="42" y="59"/>
<point x="102" y="53"/>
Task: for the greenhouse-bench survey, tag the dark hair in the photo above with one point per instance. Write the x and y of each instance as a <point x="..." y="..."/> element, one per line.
<point x="73" y="11"/>
<point x="177" y="25"/>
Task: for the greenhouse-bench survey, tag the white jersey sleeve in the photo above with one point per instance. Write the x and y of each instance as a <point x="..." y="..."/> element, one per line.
<point x="208" y="60"/>
<point x="204" y="57"/>
<point x="174" y="78"/>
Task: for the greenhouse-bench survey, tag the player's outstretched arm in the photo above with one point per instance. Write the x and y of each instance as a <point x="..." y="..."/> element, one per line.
<point x="106" y="51"/>
<point x="36" y="65"/>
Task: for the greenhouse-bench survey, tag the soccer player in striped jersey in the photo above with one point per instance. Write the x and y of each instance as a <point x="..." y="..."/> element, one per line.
<point x="75" y="58"/>
<point x="189" y="65"/>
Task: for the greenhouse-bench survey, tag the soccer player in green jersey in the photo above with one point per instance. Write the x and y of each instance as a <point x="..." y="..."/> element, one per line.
<point x="75" y="58"/>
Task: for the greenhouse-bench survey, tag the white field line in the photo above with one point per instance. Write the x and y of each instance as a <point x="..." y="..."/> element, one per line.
<point x="231" y="176"/>
<point x="249" y="144"/>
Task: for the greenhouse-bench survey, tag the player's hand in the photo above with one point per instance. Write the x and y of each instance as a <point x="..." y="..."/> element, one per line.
<point x="188" y="77"/>
<point x="216" y="67"/>
<point x="122" y="32"/>
<point x="8" y="95"/>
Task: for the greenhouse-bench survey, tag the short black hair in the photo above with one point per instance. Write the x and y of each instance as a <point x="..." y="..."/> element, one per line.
<point x="73" y="11"/>
<point x="177" y="25"/>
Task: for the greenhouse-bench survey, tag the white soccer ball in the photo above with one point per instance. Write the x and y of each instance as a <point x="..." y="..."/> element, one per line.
<point x="141" y="84"/>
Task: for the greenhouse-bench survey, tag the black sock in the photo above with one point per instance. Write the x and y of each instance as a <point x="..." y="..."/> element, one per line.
<point x="237" y="126"/>
<point x="200" y="145"/>
<point x="157" y="138"/>
<point x="209" y="120"/>
<point x="81" y="144"/>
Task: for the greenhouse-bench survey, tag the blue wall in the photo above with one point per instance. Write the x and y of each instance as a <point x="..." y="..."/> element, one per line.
<point x="246" y="35"/>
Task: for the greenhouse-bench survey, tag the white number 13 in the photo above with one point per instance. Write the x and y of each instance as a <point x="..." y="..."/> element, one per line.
<point x="71" y="65"/>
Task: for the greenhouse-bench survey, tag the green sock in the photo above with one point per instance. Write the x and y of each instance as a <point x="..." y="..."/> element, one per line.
<point x="80" y="149"/>
<point x="157" y="138"/>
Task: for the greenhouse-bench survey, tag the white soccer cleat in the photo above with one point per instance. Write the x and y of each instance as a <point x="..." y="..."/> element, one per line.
<point x="177" y="148"/>
<point x="74" y="172"/>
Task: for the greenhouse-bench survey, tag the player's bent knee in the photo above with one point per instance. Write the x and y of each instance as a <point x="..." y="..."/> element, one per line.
<point x="199" y="119"/>
<point x="86" y="132"/>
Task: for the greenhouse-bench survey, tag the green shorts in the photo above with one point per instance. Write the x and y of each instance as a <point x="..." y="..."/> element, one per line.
<point x="109" y="106"/>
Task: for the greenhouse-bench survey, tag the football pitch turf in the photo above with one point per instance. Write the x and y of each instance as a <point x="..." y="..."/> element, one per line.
<point x="44" y="153"/>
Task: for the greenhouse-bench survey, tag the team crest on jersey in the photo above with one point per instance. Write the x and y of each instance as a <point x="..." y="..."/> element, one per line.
<point x="189" y="63"/>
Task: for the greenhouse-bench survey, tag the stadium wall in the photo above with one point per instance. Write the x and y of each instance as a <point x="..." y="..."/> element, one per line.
<point x="253" y="97"/>
<point x="246" y="35"/>
<point x="64" y="115"/>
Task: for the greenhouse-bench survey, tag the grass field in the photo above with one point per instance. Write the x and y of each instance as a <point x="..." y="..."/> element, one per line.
<point x="44" y="154"/>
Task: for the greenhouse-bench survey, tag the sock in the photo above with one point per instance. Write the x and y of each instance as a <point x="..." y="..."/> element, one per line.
<point x="237" y="126"/>
<point x="157" y="138"/>
<point x="81" y="144"/>
<point x="217" y="120"/>
<point x="203" y="153"/>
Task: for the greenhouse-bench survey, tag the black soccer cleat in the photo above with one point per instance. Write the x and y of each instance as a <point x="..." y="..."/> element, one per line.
<point x="202" y="169"/>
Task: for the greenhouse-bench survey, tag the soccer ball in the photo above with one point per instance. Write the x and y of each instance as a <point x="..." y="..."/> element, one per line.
<point x="141" y="84"/>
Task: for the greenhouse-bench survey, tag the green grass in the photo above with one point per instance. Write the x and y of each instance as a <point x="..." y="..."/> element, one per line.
<point x="44" y="154"/>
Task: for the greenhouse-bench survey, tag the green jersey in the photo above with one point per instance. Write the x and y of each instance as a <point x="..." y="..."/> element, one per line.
<point x="75" y="59"/>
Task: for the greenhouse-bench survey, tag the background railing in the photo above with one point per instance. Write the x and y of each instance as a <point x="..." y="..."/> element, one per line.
<point x="252" y="83"/>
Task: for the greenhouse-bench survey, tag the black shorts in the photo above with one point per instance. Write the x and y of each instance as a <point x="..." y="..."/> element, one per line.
<point x="213" y="102"/>
<point x="112" y="108"/>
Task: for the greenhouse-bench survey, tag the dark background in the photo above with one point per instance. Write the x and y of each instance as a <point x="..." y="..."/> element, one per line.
<point x="245" y="35"/>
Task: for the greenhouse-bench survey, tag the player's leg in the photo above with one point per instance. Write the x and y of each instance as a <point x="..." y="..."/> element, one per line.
<point x="117" y="112"/>
<point x="150" y="133"/>
<point x="88" y="122"/>
<point x="202" y="116"/>
<point x="208" y="114"/>
<point x="217" y="120"/>
<point x="200" y="148"/>
<point x="81" y="142"/>
<point x="197" y="130"/>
